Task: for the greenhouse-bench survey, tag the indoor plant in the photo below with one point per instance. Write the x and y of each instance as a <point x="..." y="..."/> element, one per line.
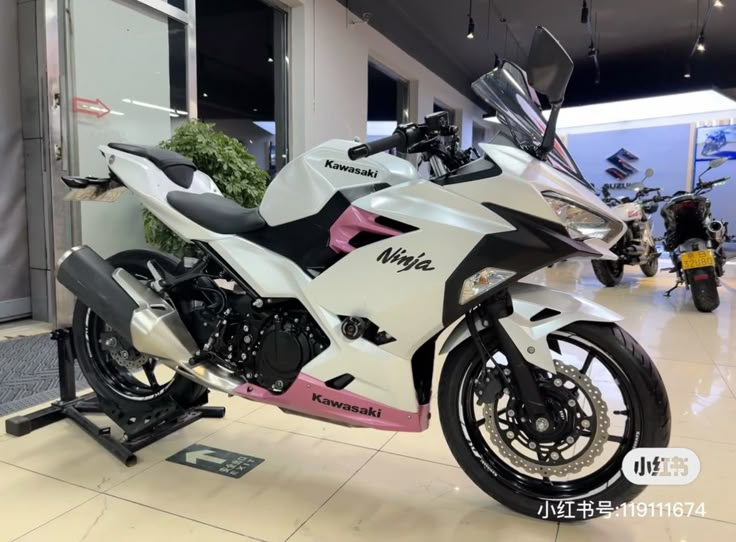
<point x="225" y="160"/>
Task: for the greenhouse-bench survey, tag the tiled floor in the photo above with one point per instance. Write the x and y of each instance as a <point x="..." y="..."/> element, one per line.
<point x="323" y="483"/>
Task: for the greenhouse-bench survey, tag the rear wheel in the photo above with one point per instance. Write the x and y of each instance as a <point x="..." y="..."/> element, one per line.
<point x="704" y="288"/>
<point x="114" y="369"/>
<point x="651" y="266"/>
<point x="606" y="397"/>
<point x="608" y="272"/>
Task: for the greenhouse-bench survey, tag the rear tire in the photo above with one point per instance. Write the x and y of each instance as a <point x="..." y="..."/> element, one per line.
<point x="86" y="327"/>
<point x="650" y="422"/>
<point x="608" y="272"/>
<point x="651" y="266"/>
<point x="704" y="291"/>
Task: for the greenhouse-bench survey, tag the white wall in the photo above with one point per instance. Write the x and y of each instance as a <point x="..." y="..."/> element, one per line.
<point x="329" y="79"/>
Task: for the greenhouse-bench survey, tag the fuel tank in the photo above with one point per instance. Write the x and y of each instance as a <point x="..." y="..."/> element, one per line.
<point x="306" y="184"/>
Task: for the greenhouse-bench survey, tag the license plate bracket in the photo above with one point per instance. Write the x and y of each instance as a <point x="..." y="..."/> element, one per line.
<point x="697" y="259"/>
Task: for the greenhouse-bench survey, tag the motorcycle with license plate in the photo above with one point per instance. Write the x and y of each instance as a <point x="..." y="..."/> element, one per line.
<point x="332" y="304"/>
<point x="695" y="241"/>
<point x="637" y="246"/>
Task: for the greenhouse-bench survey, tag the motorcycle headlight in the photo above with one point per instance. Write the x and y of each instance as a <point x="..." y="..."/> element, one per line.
<point x="582" y="223"/>
<point x="482" y="281"/>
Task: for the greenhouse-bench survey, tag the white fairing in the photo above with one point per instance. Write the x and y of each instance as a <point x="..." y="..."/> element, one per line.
<point x="409" y="304"/>
<point x="151" y="185"/>
<point x="529" y="336"/>
<point x="307" y="183"/>
<point x="628" y="211"/>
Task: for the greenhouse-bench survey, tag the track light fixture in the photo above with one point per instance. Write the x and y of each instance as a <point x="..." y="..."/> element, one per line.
<point x="471" y="22"/>
<point x="687" y="73"/>
<point x="718" y="4"/>
<point x="584" y="13"/>
<point x="471" y="29"/>
<point x="701" y="42"/>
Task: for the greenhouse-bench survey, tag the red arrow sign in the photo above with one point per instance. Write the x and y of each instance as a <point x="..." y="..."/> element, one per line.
<point x="91" y="107"/>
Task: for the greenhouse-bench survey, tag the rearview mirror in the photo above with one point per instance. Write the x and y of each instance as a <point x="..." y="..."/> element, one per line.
<point x="549" y="67"/>
<point x="718" y="162"/>
<point x="649" y="172"/>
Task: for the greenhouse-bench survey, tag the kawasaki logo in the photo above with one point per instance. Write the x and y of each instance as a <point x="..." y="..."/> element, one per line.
<point x="370" y="411"/>
<point x="400" y="258"/>
<point x="350" y="169"/>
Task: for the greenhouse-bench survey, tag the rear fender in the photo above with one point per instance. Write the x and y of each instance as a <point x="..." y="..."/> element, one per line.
<point x="529" y="326"/>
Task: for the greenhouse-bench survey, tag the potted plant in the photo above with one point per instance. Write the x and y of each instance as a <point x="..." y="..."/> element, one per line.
<point x="225" y="160"/>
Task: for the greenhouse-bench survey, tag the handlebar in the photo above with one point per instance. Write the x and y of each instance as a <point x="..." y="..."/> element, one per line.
<point x="705" y="186"/>
<point x="404" y="138"/>
<point x="395" y="140"/>
<point x="647" y="190"/>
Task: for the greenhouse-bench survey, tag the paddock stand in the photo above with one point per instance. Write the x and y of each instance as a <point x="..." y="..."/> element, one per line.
<point x="141" y="428"/>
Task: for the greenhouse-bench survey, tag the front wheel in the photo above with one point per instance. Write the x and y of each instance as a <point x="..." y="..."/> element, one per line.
<point x="704" y="288"/>
<point x="608" y="272"/>
<point x="605" y="399"/>
<point x="651" y="266"/>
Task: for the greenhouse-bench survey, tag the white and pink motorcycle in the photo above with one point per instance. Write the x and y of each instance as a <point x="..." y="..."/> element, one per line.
<point x="637" y="245"/>
<point x="332" y="299"/>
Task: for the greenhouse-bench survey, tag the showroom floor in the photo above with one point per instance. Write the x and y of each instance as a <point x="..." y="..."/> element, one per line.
<point x="328" y="483"/>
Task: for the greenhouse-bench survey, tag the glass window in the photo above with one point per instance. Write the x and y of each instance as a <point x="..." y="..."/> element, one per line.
<point x="242" y="67"/>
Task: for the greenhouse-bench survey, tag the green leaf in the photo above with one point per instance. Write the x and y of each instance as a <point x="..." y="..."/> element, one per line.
<point x="225" y="160"/>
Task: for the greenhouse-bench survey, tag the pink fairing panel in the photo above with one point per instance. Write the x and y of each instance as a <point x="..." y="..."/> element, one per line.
<point x="350" y="223"/>
<point x="310" y="396"/>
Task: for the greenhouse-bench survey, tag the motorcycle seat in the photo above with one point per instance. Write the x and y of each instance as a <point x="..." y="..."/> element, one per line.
<point x="176" y="167"/>
<point x="215" y="212"/>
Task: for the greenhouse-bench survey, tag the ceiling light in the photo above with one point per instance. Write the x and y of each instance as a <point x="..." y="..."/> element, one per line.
<point x="471" y="29"/>
<point x="584" y="13"/>
<point x="471" y="23"/>
<point x="625" y="113"/>
<point x="701" y="43"/>
<point x="687" y="73"/>
<point x="718" y="4"/>
<point x="204" y="95"/>
<point x="270" y="59"/>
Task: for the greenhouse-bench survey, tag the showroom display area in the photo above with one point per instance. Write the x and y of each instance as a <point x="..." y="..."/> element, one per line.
<point x="386" y="351"/>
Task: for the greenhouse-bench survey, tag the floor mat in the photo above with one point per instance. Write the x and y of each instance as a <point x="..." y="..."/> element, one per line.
<point x="29" y="373"/>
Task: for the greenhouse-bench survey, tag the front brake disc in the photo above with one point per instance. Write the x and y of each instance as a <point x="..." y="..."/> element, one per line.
<point x="560" y="467"/>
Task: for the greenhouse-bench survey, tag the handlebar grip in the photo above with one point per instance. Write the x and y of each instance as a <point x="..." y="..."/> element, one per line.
<point x="359" y="151"/>
<point x="397" y="139"/>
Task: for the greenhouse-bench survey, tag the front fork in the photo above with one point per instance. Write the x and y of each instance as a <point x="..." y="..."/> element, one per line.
<point x="518" y="371"/>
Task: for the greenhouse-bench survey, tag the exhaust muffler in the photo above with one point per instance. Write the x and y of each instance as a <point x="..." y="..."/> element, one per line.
<point x="717" y="230"/>
<point x="137" y="313"/>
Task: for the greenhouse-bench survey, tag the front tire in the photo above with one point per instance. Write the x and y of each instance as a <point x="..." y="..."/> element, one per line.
<point x="107" y="378"/>
<point x="651" y="266"/>
<point x="647" y="425"/>
<point x="704" y="290"/>
<point x="608" y="272"/>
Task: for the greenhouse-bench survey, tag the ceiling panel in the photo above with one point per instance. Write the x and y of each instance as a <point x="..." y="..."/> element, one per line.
<point x="643" y="44"/>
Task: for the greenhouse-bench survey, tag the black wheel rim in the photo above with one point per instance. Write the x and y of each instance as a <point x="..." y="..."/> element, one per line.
<point x="115" y="376"/>
<point x="537" y="487"/>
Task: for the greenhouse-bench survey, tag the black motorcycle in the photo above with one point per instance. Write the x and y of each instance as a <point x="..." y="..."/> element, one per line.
<point x="695" y="241"/>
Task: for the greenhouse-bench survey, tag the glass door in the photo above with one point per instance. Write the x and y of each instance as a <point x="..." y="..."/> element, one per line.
<point x="129" y="80"/>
